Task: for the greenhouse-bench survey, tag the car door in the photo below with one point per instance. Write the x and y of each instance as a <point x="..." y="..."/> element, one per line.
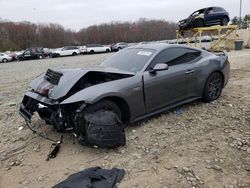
<point x="27" y="54"/>
<point x="70" y="50"/>
<point x="212" y="16"/>
<point x="100" y="48"/>
<point x="64" y="51"/>
<point x="173" y="85"/>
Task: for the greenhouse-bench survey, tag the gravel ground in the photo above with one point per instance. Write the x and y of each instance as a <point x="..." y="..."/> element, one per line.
<point x="203" y="145"/>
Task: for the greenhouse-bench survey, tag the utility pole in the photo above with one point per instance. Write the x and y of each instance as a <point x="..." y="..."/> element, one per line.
<point x="240" y="22"/>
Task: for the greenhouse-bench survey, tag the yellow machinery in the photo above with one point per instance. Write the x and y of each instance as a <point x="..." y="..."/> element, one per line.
<point x="221" y="31"/>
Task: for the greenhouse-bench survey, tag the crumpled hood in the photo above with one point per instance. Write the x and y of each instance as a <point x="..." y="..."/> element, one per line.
<point x="68" y="80"/>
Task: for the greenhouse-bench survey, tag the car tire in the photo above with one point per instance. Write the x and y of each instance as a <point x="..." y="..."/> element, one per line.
<point x="213" y="87"/>
<point x="5" y="60"/>
<point x="103" y="104"/>
<point x="199" y="23"/>
<point x="224" y="21"/>
<point x="119" y="49"/>
<point x="20" y="59"/>
<point x="92" y="52"/>
<point x="40" y="57"/>
<point x="107" y="50"/>
<point x="74" y="53"/>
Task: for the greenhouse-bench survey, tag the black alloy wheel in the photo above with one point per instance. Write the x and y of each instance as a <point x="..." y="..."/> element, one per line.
<point x="213" y="87"/>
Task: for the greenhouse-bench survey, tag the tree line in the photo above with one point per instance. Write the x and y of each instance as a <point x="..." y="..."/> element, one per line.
<point x="21" y="35"/>
<point x="243" y="22"/>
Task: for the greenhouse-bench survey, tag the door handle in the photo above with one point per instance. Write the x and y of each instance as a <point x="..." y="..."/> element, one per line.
<point x="189" y="72"/>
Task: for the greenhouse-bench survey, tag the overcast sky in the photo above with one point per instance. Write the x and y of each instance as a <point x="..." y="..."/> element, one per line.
<point x="76" y="14"/>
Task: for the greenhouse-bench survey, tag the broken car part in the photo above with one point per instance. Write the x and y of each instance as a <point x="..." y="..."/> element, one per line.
<point x="93" y="177"/>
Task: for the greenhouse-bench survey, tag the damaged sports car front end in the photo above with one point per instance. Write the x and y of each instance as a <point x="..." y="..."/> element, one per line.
<point x="133" y="84"/>
<point x="53" y="96"/>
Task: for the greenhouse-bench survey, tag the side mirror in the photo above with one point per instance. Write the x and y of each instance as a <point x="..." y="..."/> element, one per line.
<point x="159" y="67"/>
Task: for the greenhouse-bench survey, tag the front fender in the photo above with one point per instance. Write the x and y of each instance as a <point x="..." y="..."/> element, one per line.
<point x="91" y="95"/>
<point x="129" y="89"/>
<point x="123" y="88"/>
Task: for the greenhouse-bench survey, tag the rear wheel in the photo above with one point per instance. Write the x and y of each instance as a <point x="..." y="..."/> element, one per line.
<point x="74" y="53"/>
<point x="92" y="51"/>
<point x="40" y="57"/>
<point x="213" y="87"/>
<point x="224" y="22"/>
<point x="107" y="50"/>
<point x="199" y="23"/>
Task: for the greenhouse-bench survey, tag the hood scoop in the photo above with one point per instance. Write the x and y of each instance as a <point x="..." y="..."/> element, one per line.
<point x="53" y="77"/>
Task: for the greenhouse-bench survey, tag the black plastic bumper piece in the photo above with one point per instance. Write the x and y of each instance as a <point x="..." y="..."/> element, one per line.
<point x="30" y="104"/>
<point x="25" y="113"/>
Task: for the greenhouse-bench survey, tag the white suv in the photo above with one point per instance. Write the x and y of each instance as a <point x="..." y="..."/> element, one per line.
<point x="95" y="48"/>
<point x="66" y="51"/>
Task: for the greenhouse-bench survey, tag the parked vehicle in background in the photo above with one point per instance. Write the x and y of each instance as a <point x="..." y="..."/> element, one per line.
<point x="31" y="53"/>
<point x="66" y="51"/>
<point x="95" y="48"/>
<point x="48" y="52"/>
<point x="206" y="17"/>
<point x="4" y="58"/>
<point x="118" y="46"/>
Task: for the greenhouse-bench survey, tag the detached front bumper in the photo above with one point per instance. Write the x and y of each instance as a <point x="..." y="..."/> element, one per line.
<point x="31" y="102"/>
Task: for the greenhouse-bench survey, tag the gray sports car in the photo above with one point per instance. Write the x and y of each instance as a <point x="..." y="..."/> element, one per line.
<point x="135" y="83"/>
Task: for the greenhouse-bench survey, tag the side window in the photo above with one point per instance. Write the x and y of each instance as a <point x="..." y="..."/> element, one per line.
<point x="210" y="11"/>
<point x="189" y="56"/>
<point x="27" y="52"/>
<point x="167" y="56"/>
<point x="175" y="56"/>
<point x="217" y="9"/>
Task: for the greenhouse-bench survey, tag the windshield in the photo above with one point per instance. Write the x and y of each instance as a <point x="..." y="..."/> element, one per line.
<point x="132" y="59"/>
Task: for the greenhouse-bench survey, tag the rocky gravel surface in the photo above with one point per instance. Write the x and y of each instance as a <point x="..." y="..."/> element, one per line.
<point x="197" y="145"/>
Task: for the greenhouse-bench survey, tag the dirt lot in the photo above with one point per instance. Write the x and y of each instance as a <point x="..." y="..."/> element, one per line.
<point x="203" y="145"/>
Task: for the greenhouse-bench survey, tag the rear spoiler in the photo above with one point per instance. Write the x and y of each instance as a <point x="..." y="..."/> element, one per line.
<point x="219" y="52"/>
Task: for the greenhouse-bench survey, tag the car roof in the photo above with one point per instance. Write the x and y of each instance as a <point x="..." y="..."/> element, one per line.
<point x="158" y="46"/>
<point x="207" y="8"/>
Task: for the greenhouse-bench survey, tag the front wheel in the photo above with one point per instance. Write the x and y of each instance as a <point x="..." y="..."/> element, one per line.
<point x="213" y="87"/>
<point x="4" y="60"/>
<point x="74" y="53"/>
<point x="99" y="125"/>
<point x="20" y="58"/>
<point x="105" y="105"/>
